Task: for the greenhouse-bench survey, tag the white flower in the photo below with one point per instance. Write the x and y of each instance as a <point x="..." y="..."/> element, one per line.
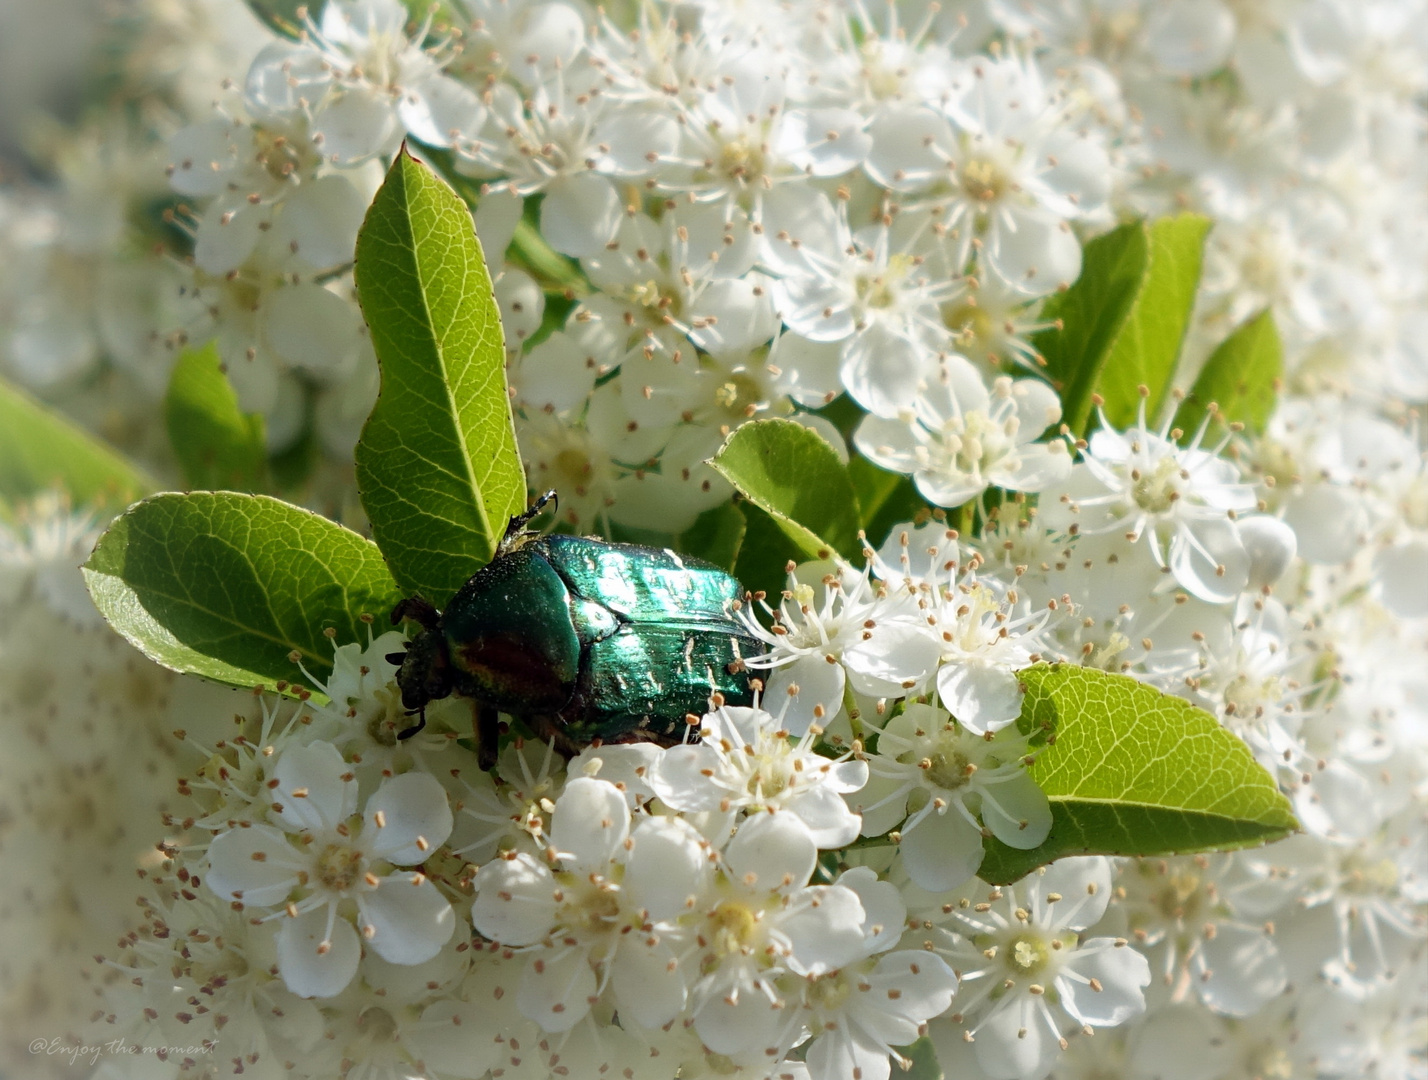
<point x="760" y="924"/>
<point x="363" y="82"/>
<point x="878" y="297"/>
<point x="1004" y="163"/>
<point x="956" y="438"/>
<point x="1180" y="501"/>
<point x="859" y="1013"/>
<point x="320" y="859"/>
<point x="745" y="763"/>
<point x="953" y="787"/>
<point x="857" y="636"/>
<point x="1026" y="972"/>
<point x="984" y="630"/>
<point x="602" y="913"/>
<point x="1183" y="915"/>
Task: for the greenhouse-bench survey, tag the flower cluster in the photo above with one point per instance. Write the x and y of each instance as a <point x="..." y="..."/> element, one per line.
<point x="694" y="216"/>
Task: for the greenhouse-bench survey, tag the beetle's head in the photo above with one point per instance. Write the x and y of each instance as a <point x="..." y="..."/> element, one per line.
<point x="424" y="670"/>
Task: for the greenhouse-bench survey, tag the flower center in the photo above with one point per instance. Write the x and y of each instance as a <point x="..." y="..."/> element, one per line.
<point x="377" y="1024"/>
<point x="735" y="928"/>
<point x="338" y="867"/>
<point x="1155" y="492"/>
<point x="592" y="906"/>
<point x="388" y="719"/>
<point x="1362" y="878"/>
<point x="739" y="397"/>
<point x="1026" y="954"/>
<point x="773" y="770"/>
<point x="741" y="160"/>
<point x="969" y="322"/>
<point x="950" y="767"/>
<point x="1180" y="897"/>
<point x="1269" y="1062"/>
<point x="830" y="992"/>
<point x="983" y="180"/>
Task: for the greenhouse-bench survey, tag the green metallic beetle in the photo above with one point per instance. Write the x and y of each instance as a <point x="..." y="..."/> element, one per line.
<point x="587" y="641"/>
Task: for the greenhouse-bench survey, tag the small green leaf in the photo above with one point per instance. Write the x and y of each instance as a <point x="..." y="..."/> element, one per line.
<point x="716" y="536"/>
<point x="1147" y="350"/>
<point x="1092" y="312"/>
<point x="227" y="586"/>
<point x="1133" y="771"/>
<point x="437" y="465"/>
<point x="218" y="445"/>
<point x="885" y="498"/>
<point x="1241" y="377"/>
<point x="792" y="473"/>
<point x="923" y="1056"/>
<point x="762" y="562"/>
<point x="42" y="451"/>
<point x="283" y="17"/>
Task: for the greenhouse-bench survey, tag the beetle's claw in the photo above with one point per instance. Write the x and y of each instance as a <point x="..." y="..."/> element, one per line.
<point x="421" y="723"/>
<point x="515" y="535"/>
<point x="396" y="658"/>
<point x="414" y="607"/>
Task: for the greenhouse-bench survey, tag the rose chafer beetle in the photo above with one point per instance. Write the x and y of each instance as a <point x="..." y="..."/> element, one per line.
<point x="584" y="640"/>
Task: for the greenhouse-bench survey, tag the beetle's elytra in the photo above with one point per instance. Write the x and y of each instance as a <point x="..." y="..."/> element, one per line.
<point x="587" y="641"/>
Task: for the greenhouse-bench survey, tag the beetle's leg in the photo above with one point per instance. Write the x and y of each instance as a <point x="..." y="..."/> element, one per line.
<point x="516" y="530"/>
<point x="414" y="607"/>
<point x="488" y="735"/>
<point x="421" y="723"/>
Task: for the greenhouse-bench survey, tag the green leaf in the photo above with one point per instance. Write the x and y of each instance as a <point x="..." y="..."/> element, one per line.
<point x="1092" y="313"/>
<point x="283" y="17"/>
<point x="1241" y="377"/>
<point x="923" y="1056"/>
<point x="1132" y="771"/>
<point x="42" y="451"/>
<point x="1147" y="350"/>
<point x="716" y="536"/>
<point x="762" y="562"/>
<point x="437" y="465"/>
<point x="885" y="498"/>
<point x="791" y="472"/>
<point x="227" y="586"/>
<point x="217" y="444"/>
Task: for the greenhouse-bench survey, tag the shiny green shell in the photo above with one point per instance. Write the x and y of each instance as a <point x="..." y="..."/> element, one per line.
<point x="601" y="641"/>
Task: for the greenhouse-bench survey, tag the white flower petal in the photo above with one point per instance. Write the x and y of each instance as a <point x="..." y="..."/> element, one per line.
<point x="983" y="695"/>
<point x="1238" y="971"/>
<point x="1014" y="1041"/>
<point x="407" y="918"/>
<point x="648" y="983"/>
<point x="311" y="794"/>
<point x="590" y="823"/>
<point x="255" y="865"/>
<point x="668" y="868"/>
<point x="556" y="989"/>
<point x="942" y="851"/>
<point x="580" y="214"/>
<point x="311" y="964"/>
<point x="883" y="909"/>
<point x="831" y="824"/>
<point x="1017" y="811"/>
<point x="772" y="851"/>
<point x="515" y="900"/>
<point x="1123" y="974"/>
<point x="750" y="1023"/>
<point x="692" y="777"/>
<point x="1208" y="559"/>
